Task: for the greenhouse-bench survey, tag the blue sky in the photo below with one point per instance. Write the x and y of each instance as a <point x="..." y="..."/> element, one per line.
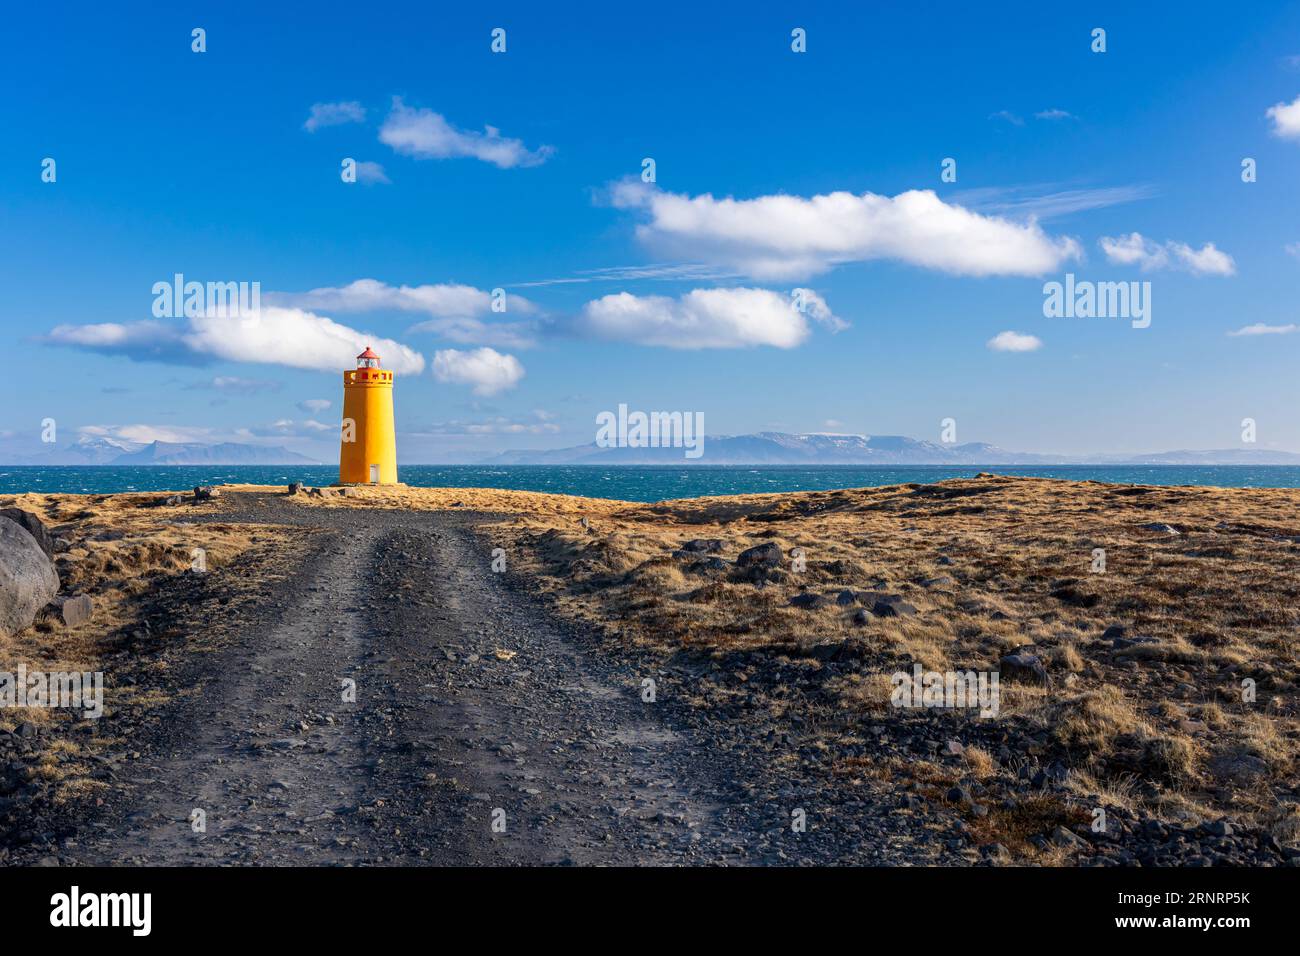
<point x="671" y="295"/>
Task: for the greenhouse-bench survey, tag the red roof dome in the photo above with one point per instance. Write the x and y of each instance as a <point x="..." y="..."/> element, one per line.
<point x="367" y="354"/>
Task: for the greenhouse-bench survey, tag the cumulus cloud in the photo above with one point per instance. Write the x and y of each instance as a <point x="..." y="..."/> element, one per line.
<point x="459" y="313"/>
<point x="334" y="114"/>
<point x="275" y="336"/>
<point x="1014" y="342"/>
<point x="1135" y="249"/>
<point x="779" y="236"/>
<point x="1259" y="328"/>
<point x="487" y="370"/>
<point x="1286" y="119"/>
<point x="706" y="319"/>
<point x="425" y="134"/>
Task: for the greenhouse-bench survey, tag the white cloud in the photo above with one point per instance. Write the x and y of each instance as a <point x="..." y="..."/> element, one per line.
<point x="425" y="134"/>
<point x="314" y="406"/>
<point x="275" y="336"/>
<point x="458" y="311"/>
<point x="1014" y="342"/>
<point x="1259" y="328"/>
<point x="334" y="114"/>
<point x="1135" y="249"/>
<point x="705" y="319"/>
<point x="1053" y="114"/>
<point x="372" y="174"/>
<point x="780" y="237"/>
<point x="1286" y="119"/>
<point x="488" y="370"/>
<point x="1293" y="249"/>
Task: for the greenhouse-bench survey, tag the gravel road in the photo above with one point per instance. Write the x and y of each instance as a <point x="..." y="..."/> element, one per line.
<point x="483" y="731"/>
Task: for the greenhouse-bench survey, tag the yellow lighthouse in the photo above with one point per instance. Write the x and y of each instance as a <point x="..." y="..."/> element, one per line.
<point x="368" y="451"/>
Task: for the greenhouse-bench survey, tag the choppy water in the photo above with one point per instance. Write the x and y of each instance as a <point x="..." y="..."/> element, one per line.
<point x="629" y="483"/>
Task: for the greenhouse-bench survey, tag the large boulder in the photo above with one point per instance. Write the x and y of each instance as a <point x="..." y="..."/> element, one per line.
<point x="28" y="580"/>
<point x="767" y="555"/>
<point x="34" y="525"/>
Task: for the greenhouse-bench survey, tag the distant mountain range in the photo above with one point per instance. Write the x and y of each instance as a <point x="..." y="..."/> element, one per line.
<point x="98" y="450"/>
<point x="782" y="448"/>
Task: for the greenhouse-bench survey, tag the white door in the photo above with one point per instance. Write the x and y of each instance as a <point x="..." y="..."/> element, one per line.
<point x="374" y="474"/>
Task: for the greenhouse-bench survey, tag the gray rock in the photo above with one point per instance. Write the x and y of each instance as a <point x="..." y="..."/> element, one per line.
<point x="1067" y="839"/>
<point x="28" y="580"/>
<point x="892" y="605"/>
<point x="71" y="611"/>
<point x="861" y="617"/>
<point x="1219" y="828"/>
<point x="845" y="598"/>
<point x="1112" y="632"/>
<point x="1161" y="528"/>
<point x="942" y="581"/>
<point x="766" y="555"/>
<point x="703" y="545"/>
<point x="295" y="487"/>
<point x="809" y="602"/>
<point x="1022" y="666"/>
<point x="33" y="525"/>
<point x="204" y="492"/>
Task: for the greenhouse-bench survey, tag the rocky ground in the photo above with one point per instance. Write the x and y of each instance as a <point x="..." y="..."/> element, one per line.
<point x="504" y="718"/>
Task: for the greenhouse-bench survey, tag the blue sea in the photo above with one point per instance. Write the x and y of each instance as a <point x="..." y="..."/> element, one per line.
<point x="629" y="483"/>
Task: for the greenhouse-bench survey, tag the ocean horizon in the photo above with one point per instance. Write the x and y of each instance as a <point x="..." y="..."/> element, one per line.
<point x="646" y="483"/>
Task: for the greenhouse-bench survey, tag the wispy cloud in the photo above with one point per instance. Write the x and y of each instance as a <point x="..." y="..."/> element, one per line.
<point x="236" y="385"/>
<point x="782" y="237"/>
<point x="1259" y="328"/>
<point x="372" y="174"/>
<point x="314" y="406"/>
<point x="425" y="134"/>
<point x="334" y="114"/>
<point x="1014" y="342"/>
<point x="1053" y="114"/>
<point x="1048" y="200"/>
<point x="538" y="423"/>
<point x="1135" y="249"/>
<point x="662" y="271"/>
<point x="1008" y="116"/>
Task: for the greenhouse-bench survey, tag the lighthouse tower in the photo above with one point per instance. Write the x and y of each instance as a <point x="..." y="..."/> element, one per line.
<point x="368" y="451"/>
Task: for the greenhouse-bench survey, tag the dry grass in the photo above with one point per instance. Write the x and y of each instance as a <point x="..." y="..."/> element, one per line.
<point x="1218" y="604"/>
